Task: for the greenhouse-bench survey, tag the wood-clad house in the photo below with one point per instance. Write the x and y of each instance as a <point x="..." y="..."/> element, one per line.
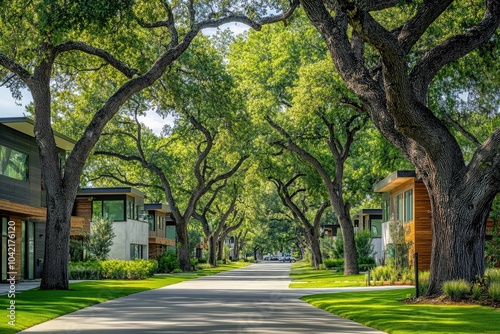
<point x="22" y="199"/>
<point x="405" y="199"/>
<point x="162" y="234"/>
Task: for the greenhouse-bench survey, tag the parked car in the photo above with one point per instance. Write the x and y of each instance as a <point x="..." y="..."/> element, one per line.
<point x="287" y="259"/>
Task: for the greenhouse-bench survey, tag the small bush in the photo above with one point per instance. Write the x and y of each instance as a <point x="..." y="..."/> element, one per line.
<point x="177" y="270"/>
<point x="322" y="266"/>
<point x="423" y="282"/>
<point x="89" y="270"/>
<point x="204" y="266"/>
<point x="494" y="291"/>
<point x="122" y="269"/>
<point x="407" y="275"/>
<point x="202" y="260"/>
<point x="193" y="262"/>
<point x="456" y="289"/>
<point x="333" y="263"/>
<point x="493" y="275"/>
<point x="167" y="262"/>
<point x="476" y="291"/>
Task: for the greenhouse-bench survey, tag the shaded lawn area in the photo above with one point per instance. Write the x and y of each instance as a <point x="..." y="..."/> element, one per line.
<point x="304" y="276"/>
<point x="36" y="306"/>
<point x="383" y="310"/>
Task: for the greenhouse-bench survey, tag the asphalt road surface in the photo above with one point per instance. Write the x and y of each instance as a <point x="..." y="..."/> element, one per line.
<point x="255" y="299"/>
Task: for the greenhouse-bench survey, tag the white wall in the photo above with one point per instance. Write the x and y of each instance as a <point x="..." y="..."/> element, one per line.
<point x="127" y="233"/>
<point x="386" y="237"/>
<point x="377" y="247"/>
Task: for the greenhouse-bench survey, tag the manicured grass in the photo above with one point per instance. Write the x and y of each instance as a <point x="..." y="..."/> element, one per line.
<point x="37" y="306"/>
<point x="304" y="276"/>
<point x="383" y="310"/>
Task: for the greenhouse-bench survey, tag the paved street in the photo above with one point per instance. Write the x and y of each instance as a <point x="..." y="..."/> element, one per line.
<point x="255" y="299"/>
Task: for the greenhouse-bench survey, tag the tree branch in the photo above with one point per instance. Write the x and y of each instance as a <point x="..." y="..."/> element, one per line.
<point x="14" y="67"/>
<point x="83" y="47"/>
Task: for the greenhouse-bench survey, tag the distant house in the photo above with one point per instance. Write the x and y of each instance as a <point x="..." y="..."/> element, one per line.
<point x="124" y="206"/>
<point x="405" y="199"/>
<point x="371" y="220"/>
<point x="161" y="225"/>
<point x="22" y="198"/>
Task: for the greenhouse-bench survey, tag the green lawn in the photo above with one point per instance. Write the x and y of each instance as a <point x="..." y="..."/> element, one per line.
<point x="382" y="310"/>
<point x="304" y="276"/>
<point x="36" y="306"/>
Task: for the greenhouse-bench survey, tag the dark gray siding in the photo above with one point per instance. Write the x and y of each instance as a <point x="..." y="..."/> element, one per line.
<point x="39" y="248"/>
<point x="25" y="192"/>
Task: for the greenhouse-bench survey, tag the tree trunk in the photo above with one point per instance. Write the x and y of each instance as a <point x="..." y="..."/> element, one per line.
<point x="236" y="249"/>
<point x="458" y="229"/>
<point x="316" y="252"/>
<point x="55" y="275"/>
<point x="212" y="251"/>
<point x="183" y="252"/>
<point x="220" y="249"/>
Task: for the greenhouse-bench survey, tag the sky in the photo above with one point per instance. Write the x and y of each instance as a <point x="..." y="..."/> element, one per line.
<point x="9" y="108"/>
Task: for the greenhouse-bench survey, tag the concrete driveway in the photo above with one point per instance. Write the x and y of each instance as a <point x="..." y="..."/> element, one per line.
<point x="255" y="299"/>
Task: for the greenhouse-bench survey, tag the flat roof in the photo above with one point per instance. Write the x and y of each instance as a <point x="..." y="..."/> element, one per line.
<point x="110" y="191"/>
<point x="394" y="180"/>
<point x="27" y="126"/>
<point x="157" y="207"/>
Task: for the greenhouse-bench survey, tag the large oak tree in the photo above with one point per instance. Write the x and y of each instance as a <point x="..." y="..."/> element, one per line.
<point x="394" y="90"/>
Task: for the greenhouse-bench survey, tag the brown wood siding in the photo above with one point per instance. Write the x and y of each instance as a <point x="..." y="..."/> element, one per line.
<point x="423" y="228"/>
<point x="83" y="208"/>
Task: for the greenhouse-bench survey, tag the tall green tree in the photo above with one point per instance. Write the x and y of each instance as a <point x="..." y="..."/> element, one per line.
<point x="38" y="36"/>
<point x="420" y="50"/>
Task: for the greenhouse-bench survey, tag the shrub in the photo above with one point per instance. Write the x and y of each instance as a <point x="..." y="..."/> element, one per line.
<point x="456" y="289"/>
<point x="89" y="270"/>
<point x="101" y="238"/>
<point x="202" y="260"/>
<point x="177" y="270"/>
<point x="493" y="275"/>
<point x="333" y="263"/>
<point x="423" y="282"/>
<point x="193" y="262"/>
<point x="407" y="275"/>
<point x="167" y="262"/>
<point x="122" y="269"/>
<point x="494" y="291"/>
<point x="476" y="291"/>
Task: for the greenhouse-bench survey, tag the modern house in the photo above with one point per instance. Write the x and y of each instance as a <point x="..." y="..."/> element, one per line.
<point x="22" y="199"/>
<point x="405" y="199"/>
<point x="371" y="220"/>
<point x="124" y="206"/>
<point x="161" y="225"/>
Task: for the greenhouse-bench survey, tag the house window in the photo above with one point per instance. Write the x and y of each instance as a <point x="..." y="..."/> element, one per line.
<point x="399" y="207"/>
<point x="151" y="221"/>
<point x="112" y="210"/>
<point x="13" y="164"/>
<point x="408" y="206"/>
<point x="136" y="251"/>
<point x="386" y="207"/>
<point x="376" y="228"/>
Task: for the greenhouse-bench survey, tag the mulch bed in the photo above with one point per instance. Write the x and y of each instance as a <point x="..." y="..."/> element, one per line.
<point x="444" y="300"/>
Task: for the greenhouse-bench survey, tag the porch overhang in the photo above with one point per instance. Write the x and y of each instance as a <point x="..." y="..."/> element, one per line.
<point x="394" y="180"/>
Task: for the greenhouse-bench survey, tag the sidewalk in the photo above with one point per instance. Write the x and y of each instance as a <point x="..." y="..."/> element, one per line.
<point x="22" y="286"/>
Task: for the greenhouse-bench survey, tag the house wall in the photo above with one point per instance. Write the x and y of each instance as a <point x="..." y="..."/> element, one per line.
<point x="127" y="233"/>
<point x="420" y="230"/>
<point x="25" y="192"/>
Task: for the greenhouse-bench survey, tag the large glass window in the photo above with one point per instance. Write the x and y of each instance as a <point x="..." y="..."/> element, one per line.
<point x="151" y="221"/>
<point x="399" y="207"/>
<point x="408" y="205"/>
<point x="376" y="228"/>
<point x="13" y="164"/>
<point x="112" y="210"/>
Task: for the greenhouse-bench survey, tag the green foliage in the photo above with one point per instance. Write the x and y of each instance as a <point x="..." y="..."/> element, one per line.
<point x="122" y="269"/>
<point x="194" y="263"/>
<point x="456" y="289"/>
<point x="56" y="16"/>
<point x="168" y="262"/>
<point x="492" y="275"/>
<point x="494" y="291"/>
<point x="476" y="291"/>
<point x="89" y="270"/>
<point x="398" y="250"/>
<point x="333" y="263"/>
<point x="423" y="282"/>
<point x="101" y="238"/>
<point x="364" y="244"/>
<point x="338" y="247"/>
<point x="113" y="269"/>
<point x="492" y="246"/>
